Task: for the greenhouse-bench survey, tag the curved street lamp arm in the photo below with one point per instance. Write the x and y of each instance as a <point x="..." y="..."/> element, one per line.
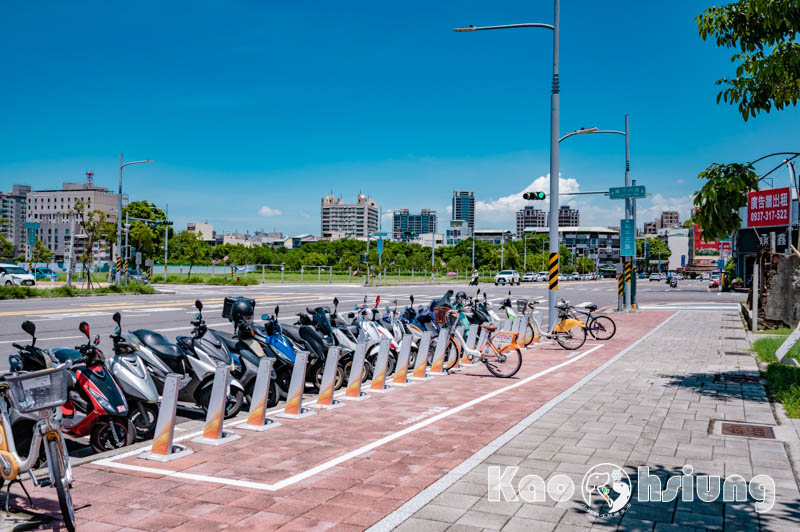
<point x="785" y="161"/>
<point x="580" y="132"/>
<point x="775" y="154"/>
<point x="135" y="162"/>
<point x="506" y="27"/>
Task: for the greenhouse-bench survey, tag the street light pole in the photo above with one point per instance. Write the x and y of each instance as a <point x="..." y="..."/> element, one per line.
<point x="122" y="165"/>
<point x="525" y="251"/>
<point x="555" y="113"/>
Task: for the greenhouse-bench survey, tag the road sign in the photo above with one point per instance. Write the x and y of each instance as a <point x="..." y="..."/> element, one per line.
<point x="683" y="261"/>
<point x="138" y="258"/>
<point x="627" y="237"/>
<point x="721" y="264"/>
<point x="32" y="227"/>
<point x="637" y="191"/>
<point x="380" y="235"/>
<point x="149" y="263"/>
<point x="380" y="246"/>
<point x="768" y="208"/>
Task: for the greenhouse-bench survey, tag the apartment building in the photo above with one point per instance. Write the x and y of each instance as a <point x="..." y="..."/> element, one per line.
<point x="464" y="207"/>
<point x="348" y="220"/>
<point x="12" y="210"/>
<point x="530" y="217"/>
<point x="567" y="217"/>
<point x="405" y="226"/>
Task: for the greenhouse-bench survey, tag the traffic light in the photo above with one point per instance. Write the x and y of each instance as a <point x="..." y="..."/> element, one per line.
<point x="534" y="195"/>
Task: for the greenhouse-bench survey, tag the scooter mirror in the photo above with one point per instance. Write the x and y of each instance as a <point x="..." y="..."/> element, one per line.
<point x="277" y="310"/>
<point x="387" y="308"/>
<point x="479" y="291"/>
<point x="411" y="298"/>
<point x="198" y="304"/>
<point x="265" y="317"/>
<point x="29" y="327"/>
<point x="377" y="301"/>
<point x="351" y="314"/>
<point x="355" y="307"/>
<point x="335" y="301"/>
<point x="117" y="317"/>
<point x="97" y="340"/>
<point x="84" y="328"/>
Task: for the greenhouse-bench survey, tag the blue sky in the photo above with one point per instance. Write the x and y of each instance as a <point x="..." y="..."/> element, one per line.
<point x="250" y="104"/>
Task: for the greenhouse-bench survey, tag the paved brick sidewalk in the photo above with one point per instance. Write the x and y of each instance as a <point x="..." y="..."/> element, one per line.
<point x="658" y="405"/>
<point x="343" y="469"/>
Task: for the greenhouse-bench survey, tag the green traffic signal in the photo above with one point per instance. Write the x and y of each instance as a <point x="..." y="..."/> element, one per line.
<point x="534" y="195"/>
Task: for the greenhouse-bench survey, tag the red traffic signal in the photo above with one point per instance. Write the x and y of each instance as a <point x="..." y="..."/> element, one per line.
<point x="534" y="195"/>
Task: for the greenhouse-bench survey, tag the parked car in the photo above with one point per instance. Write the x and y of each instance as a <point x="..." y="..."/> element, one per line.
<point x="135" y="275"/>
<point x="45" y="273"/>
<point x="705" y="277"/>
<point x="643" y="275"/>
<point x="543" y="276"/>
<point x="13" y="275"/>
<point x="655" y="277"/>
<point x="529" y="277"/>
<point x="507" y="277"/>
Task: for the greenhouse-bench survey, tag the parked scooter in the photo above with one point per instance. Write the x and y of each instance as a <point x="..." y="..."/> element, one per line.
<point x="96" y="406"/>
<point x="136" y="382"/>
<point x="195" y="358"/>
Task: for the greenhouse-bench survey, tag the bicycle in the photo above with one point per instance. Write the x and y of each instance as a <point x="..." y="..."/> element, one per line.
<point x="601" y="327"/>
<point x="503" y="359"/>
<point x="569" y="333"/>
<point x="43" y="392"/>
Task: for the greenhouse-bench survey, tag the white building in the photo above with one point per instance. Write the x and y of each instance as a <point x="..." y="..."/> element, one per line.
<point x="353" y="220"/>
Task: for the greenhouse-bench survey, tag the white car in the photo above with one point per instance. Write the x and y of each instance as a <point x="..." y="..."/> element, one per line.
<point x="543" y="276"/>
<point x="507" y="277"/>
<point x="13" y="275"/>
<point x="529" y="277"/>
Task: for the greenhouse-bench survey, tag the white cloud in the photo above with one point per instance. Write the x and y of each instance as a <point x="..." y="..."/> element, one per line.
<point x="680" y="181"/>
<point x="501" y="213"/>
<point x="304" y="214"/>
<point x="650" y="208"/>
<point x="269" y="211"/>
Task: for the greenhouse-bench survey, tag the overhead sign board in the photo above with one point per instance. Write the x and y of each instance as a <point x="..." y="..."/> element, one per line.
<point x="627" y="237"/>
<point x="768" y="208"/>
<point x="637" y="191"/>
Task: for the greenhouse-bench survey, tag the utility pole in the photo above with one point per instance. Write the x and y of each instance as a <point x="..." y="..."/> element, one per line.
<point x="628" y="210"/>
<point x="433" y="249"/>
<point x="127" y="252"/>
<point x="525" y="251"/>
<point x="166" y="241"/>
<point x="502" y="245"/>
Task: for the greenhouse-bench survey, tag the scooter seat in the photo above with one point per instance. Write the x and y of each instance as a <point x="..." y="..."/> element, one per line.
<point x="228" y="339"/>
<point x="293" y="332"/>
<point x="166" y="350"/>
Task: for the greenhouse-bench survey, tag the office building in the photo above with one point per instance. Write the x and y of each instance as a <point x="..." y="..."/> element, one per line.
<point x="53" y="210"/>
<point x="600" y="244"/>
<point x="406" y="226"/>
<point x="530" y="217"/>
<point x="494" y="236"/>
<point x="650" y="228"/>
<point x="12" y="209"/>
<point x="458" y="231"/>
<point x="669" y="219"/>
<point x="205" y="230"/>
<point x="464" y="207"/>
<point x="567" y="217"/>
<point x="348" y="220"/>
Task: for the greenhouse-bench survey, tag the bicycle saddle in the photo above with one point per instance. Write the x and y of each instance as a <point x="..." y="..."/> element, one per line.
<point x="490" y="328"/>
<point x="591" y="308"/>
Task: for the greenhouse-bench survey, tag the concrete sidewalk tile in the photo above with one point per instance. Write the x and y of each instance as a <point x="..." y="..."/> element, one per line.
<point x="435" y="512"/>
<point x="518" y="524"/>
<point x="483" y="519"/>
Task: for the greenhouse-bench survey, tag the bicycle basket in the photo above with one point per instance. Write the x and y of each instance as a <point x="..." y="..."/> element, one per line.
<point x="441" y="315"/>
<point x="522" y="305"/>
<point x="37" y="390"/>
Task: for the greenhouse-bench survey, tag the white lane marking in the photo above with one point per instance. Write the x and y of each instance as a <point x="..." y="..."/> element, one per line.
<point x="42" y="339"/>
<point x="110" y="462"/>
<point x="434" y="490"/>
<point x="583" y="304"/>
<point x="714" y="306"/>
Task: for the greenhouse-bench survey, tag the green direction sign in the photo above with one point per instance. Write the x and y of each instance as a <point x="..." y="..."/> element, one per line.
<point x="627" y="237"/>
<point x="380" y="235"/>
<point x="637" y="191"/>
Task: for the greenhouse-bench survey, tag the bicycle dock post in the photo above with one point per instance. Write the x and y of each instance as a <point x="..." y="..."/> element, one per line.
<point x="470" y="343"/>
<point x="258" y="403"/>
<point x="482" y="342"/>
<point x="325" y="398"/>
<point x="354" y="392"/>
<point x="438" y="356"/>
<point x="379" y="375"/>
<point x="506" y="325"/>
<point x="163" y="450"/>
<point x="401" y="369"/>
<point x="294" y="400"/>
<point x="213" y="433"/>
<point x="457" y="365"/>
<point x="421" y="364"/>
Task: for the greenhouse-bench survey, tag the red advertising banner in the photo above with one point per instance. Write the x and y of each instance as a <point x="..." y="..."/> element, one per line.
<point x="699" y="243"/>
<point x="768" y="208"/>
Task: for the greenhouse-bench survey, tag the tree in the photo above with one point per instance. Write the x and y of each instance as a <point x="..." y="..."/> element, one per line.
<point x="41" y="253"/>
<point x="6" y="246"/>
<point x="585" y="265"/>
<point x="718" y="202"/>
<point x="148" y="238"/>
<point x="768" y="56"/>
<point x="95" y="228"/>
<point x="190" y="248"/>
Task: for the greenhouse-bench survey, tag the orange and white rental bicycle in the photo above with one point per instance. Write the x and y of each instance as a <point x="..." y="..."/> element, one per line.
<point x="500" y="352"/>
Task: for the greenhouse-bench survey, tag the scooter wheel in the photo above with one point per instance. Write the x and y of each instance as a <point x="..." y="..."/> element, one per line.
<point x="144" y="418"/>
<point x="102" y="439"/>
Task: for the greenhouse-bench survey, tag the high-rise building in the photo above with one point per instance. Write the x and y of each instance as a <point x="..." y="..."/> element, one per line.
<point x="464" y="207"/>
<point x="348" y="220"/>
<point x="530" y="217"/>
<point x="458" y="231"/>
<point x="650" y="228"/>
<point x="406" y="226"/>
<point x="670" y="219"/>
<point x="53" y="210"/>
<point x="567" y="217"/>
<point x="12" y="210"/>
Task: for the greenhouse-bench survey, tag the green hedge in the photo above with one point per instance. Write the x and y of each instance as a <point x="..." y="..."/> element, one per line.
<point x="26" y="292"/>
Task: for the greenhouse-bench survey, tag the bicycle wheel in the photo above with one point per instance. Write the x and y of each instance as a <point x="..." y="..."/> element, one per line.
<point x="530" y="334"/>
<point x="452" y="355"/>
<point x="59" y="468"/>
<point x="506" y="364"/>
<point x="602" y="328"/>
<point x="572" y="339"/>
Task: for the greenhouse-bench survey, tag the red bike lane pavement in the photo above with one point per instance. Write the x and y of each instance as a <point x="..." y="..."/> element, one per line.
<point x="341" y="469"/>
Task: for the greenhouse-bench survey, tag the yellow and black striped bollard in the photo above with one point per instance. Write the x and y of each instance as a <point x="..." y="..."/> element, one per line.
<point x="553" y="271"/>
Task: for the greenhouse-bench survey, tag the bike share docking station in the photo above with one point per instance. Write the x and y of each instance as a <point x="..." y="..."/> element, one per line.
<point x="421" y="364"/>
<point x="163" y="448"/>
<point x="401" y="368"/>
<point x="378" y="384"/>
<point x="437" y="367"/>
<point x="294" y="408"/>
<point x="325" y="400"/>
<point x="213" y="433"/>
<point x="354" y="392"/>
<point x="256" y="419"/>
